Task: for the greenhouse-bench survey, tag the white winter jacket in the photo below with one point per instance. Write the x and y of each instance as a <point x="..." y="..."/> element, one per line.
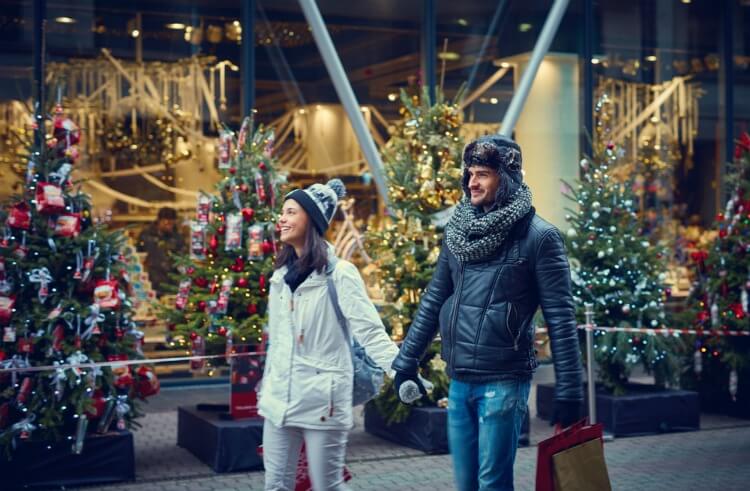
<point x="307" y="380"/>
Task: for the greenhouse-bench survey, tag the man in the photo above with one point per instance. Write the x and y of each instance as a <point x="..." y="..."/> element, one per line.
<point x="499" y="262"/>
<point x="159" y="240"/>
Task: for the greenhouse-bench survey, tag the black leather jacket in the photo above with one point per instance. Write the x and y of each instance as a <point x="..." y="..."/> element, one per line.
<point x="484" y="310"/>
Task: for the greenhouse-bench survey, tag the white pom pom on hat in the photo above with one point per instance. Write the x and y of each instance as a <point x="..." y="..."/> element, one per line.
<point x="338" y="187"/>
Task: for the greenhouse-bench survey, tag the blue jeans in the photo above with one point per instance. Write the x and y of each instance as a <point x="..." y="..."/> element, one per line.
<point x="484" y="423"/>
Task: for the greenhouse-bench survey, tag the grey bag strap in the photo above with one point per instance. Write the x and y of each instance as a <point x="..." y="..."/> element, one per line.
<point x="333" y="294"/>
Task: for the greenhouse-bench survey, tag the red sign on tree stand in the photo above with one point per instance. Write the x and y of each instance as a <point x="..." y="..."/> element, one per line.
<point x="247" y="372"/>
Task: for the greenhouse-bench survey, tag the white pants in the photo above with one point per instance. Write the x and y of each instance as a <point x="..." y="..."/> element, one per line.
<point x="325" y="450"/>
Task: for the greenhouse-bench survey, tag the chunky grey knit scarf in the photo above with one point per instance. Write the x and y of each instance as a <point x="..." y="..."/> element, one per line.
<point x="472" y="235"/>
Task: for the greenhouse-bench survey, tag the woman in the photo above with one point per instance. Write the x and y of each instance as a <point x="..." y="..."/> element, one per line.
<point x="307" y="384"/>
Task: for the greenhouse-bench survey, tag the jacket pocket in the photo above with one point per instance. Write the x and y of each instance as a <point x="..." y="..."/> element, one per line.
<point x="511" y="324"/>
<point x="487" y="303"/>
<point x="312" y="396"/>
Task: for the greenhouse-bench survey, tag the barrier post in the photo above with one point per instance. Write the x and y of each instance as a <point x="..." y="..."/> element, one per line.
<point x="590" y="382"/>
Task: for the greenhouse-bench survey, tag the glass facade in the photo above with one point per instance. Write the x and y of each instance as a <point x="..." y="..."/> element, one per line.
<point x="151" y="83"/>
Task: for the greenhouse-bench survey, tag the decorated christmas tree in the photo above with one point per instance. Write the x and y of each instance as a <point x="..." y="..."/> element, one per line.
<point x="615" y="267"/>
<point x="719" y="299"/>
<point x="64" y="300"/>
<point x="221" y="294"/>
<point x="423" y="166"/>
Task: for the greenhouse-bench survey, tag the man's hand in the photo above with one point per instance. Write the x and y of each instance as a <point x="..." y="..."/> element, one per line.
<point x="410" y="387"/>
<point x="566" y="413"/>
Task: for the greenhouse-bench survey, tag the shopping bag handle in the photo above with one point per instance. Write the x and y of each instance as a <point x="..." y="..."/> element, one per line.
<point x="578" y="424"/>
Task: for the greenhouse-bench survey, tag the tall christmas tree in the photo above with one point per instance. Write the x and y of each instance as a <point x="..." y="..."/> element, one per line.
<point x="63" y="301"/>
<point x="617" y="269"/>
<point x="719" y="299"/>
<point x="423" y="165"/>
<point x="221" y="295"/>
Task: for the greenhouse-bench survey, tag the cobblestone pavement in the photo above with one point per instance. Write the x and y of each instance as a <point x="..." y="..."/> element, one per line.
<point x="716" y="457"/>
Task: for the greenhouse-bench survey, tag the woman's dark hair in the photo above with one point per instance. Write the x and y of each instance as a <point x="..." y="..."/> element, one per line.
<point x="314" y="254"/>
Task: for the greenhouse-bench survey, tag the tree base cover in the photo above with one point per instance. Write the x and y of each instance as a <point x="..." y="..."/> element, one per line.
<point x="224" y="445"/>
<point x="425" y="429"/>
<point x="644" y="409"/>
<point x="107" y="458"/>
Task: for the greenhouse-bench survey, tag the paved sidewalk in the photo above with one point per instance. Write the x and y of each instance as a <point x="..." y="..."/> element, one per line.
<point x="717" y="457"/>
<point x="706" y="460"/>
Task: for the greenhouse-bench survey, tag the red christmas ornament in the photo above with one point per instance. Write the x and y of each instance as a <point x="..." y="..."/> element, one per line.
<point x="66" y="130"/>
<point x="267" y="247"/>
<point x="99" y="403"/>
<point x="610" y="145"/>
<point x="221" y="331"/>
<point x="262" y="282"/>
<point x="242" y="282"/>
<point x="171" y="327"/>
<point x="239" y="264"/>
<point x="719" y="217"/>
<point x="252" y="309"/>
<point x="702" y="316"/>
<point x="103" y="341"/>
<point x="247" y="214"/>
<point x="262" y="166"/>
<point x="193" y="336"/>
<point x="190" y="270"/>
<point x="213" y="243"/>
<point x="244" y="187"/>
<point x="222" y="229"/>
<point x="201" y="305"/>
<point x="722" y="233"/>
<point x="232" y="170"/>
<point x="201" y="282"/>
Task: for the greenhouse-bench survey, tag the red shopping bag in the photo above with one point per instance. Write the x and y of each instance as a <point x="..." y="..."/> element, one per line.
<point x="572" y="436"/>
<point x="302" y="480"/>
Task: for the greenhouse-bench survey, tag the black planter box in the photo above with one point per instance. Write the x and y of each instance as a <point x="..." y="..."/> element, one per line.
<point x="223" y="444"/>
<point x="713" y="388"/>
<point x="425" y="429"/>
<point x="105" y="459"/>
<point x="644" y="409"/>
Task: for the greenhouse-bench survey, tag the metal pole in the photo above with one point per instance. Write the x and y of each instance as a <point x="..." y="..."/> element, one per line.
<point x="40" y="24"/>
<point x="345" y="93"/>
<point x="726" y="100"/>
<point x="590" y="382"/>
<point x="540" y="49"/>
<point x="588" y="76"/>
<point x="247" y="65"/>
<point x="429" y="54"/>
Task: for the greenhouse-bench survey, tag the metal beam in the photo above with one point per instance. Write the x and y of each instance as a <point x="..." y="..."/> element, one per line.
<point x="247" y="63"/>
<point x="495" y="26"/>
<point x="540" y="50"/>
<point x="345" y="93"/>
<point x="428" y="40"/>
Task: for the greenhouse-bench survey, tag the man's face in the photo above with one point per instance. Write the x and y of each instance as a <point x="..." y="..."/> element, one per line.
<point x="483" y="185"/>
<point x="166" y="225"/>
